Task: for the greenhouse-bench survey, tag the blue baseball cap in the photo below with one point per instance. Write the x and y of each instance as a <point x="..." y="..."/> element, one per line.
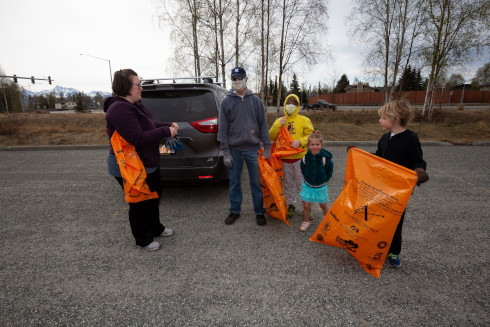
<point x="238" y="71"/>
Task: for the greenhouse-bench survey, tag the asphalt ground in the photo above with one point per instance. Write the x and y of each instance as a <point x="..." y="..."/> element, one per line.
<point x="68" y="257"/>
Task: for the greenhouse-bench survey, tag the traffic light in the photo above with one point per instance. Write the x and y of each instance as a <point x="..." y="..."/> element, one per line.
<point x="32" y="80"/>
<point x="49" y="80"/>
<point x="15" y="78"/>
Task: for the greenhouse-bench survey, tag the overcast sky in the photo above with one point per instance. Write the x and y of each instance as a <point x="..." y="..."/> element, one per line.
<point x="46" y="38"/>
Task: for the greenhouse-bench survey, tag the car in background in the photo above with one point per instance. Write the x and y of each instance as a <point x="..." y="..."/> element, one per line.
<point x="321" y="104"/>
<point x="194" y="106"/>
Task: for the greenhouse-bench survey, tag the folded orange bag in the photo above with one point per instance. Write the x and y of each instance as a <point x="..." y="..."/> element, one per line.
<point x="274" y="201"/>
<point x="281" y="147"/>
<point x="132" y="171"/>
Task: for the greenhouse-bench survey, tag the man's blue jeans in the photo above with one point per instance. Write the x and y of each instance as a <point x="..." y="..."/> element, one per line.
<point x="251" y="158"/>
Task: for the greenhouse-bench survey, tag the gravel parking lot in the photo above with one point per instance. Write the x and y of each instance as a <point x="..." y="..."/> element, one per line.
<point x="68" y="257"/>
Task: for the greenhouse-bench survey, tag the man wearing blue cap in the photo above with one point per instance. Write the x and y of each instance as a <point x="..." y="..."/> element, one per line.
<point x="242" y="129"/>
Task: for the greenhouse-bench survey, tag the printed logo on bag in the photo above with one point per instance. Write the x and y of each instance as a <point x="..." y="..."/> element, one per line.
<point x="382" y="244"/>
<point x="378" y="256"/>
<point x="368" y="266"/>
<point x="347" y="244"/>
<point x="327" y="227"/>
<point x="334" y="216"/>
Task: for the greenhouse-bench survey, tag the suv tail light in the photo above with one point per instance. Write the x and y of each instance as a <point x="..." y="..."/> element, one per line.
<point x="207" y="125"/>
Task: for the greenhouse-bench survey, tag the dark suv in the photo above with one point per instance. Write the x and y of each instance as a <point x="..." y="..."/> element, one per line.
<point x="195" y="107"/>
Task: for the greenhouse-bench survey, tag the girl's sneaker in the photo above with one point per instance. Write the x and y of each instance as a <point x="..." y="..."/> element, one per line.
<point x="291" y="210"/>
<point x="304" y="226"/>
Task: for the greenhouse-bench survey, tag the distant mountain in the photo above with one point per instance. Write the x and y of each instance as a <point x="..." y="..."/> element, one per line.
<point x="67" y="91"/>
<point x="58" y="90"/>
<point x="103" y="94"/>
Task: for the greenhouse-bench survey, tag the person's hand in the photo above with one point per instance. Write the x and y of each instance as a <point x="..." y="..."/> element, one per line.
<point x="422" y="176"/>
<point x="295" y="144"/>
<point x="173" y="131"/>
<point x="227" y="159"/>
<point x="267" y="154"/>
<point x="175" y="125"/>
<point x="282" y="121"/>
<point x="349" y="147"/>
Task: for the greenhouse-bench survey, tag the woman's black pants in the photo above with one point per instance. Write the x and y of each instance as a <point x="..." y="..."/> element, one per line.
<point x="144" y="216"/>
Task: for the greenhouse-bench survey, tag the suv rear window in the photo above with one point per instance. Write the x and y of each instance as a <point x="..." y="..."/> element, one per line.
<point x="180" y="105"/>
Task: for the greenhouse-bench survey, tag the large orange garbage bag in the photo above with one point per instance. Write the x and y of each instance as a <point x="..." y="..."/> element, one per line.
<point x="132" y="171"/>
<point x="282" y="148"/>
<point x="274" y="201"/>
<point x="363" y="219"/>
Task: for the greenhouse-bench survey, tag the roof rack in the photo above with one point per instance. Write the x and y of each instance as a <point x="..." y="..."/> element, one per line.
<point x="206" y="79"/>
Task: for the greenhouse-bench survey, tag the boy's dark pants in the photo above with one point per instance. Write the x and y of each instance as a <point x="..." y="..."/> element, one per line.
<point x="396" y="243"/>
<point x="144" y="216"/>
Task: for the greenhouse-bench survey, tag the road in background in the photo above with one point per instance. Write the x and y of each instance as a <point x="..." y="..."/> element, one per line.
<point x="68" y="257"/>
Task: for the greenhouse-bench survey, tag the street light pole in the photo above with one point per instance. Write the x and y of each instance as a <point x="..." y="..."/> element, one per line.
<point x="110" y="69"/>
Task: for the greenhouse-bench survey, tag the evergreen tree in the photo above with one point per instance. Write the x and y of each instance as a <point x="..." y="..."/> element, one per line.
<point x="79" y="105"/>
<point x="341" y="84"/>
<point x="410" y="80"/>
<point x="294" y="87"/>
<point x="319" y="89"/>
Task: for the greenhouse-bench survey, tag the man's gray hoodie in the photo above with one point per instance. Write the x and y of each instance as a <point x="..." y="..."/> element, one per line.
<point x="242" y="123"/>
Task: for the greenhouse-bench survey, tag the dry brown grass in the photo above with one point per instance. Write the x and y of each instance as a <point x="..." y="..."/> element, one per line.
<point x="454" y="126"/>
<point x="52" y="129"/>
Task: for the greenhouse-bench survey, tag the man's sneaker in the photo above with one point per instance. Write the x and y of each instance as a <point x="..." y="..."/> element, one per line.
<point x="393" y="260"/>
<point x="291" y="210"/>
<point x="167" y="232"/>
<point x="231" y="218"/>
<point x="153" y="246"/>
<point x="304" y="226"/>
<point x="261" y="220"/>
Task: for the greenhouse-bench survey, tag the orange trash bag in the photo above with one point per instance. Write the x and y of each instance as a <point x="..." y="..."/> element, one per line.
<point x="282" y="148"/>
<point x="274" y="201"/>
<point x="363" y="219"/>
<point x="132" y="171"/>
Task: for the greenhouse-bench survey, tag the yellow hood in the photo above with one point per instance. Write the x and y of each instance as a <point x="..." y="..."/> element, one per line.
<point x="297" y="107"/>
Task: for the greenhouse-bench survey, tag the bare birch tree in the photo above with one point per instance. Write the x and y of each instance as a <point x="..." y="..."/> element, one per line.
<point x="184" y="18"/>
<point x="455" y="32"/>
<point x="389" y="28"/>
<point x="302" y="22"/>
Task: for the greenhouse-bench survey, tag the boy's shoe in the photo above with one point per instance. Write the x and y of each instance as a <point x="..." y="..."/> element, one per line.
<point x="291" y="210"/>
<point x="393" y="260"/>
<point x="231" y="218"/>
<point x="167" y="232"/>
<point x="304" y="226"/>
<point x="261" y="220"/>
<point x="153" y="246"/>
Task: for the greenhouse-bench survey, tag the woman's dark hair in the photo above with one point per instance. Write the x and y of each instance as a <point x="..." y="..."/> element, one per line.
<point x="122" y="82"/>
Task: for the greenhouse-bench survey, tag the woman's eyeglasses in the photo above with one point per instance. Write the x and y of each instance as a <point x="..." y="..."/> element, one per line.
<point x="138" y="85"/>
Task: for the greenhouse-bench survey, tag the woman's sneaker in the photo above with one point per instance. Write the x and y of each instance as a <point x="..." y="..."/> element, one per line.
<point x="167" y="232"/>
<point x="393" y="260"/>
<point x="153" y="246"/>
<point x="304" y="226"/>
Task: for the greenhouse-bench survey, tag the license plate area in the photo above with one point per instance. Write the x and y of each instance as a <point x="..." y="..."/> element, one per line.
<point x="165" y="151"/>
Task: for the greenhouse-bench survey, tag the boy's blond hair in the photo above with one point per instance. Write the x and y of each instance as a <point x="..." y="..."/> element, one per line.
<point x="315" y="135"/>
<point x="397" y="109"/>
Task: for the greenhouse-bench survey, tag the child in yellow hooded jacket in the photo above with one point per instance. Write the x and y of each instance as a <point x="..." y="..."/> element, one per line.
<point x="299" y="127"/>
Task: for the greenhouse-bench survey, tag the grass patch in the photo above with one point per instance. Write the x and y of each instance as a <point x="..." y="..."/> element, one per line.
<point x="454" y="126"/>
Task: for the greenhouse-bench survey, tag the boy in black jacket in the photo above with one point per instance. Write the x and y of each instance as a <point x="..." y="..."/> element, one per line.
<point x="400" y="146"/>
